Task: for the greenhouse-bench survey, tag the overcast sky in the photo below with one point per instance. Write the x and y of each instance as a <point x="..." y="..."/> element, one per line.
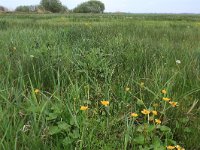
<point x="134" y="6"/>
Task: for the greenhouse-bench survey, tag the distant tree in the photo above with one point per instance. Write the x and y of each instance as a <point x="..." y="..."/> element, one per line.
<point x="40" y="9"/>
<point x="92" y="6"/>
<point x="65" y="9"/>
<point x="2" y="8"/>
<point x="52" y="5"/>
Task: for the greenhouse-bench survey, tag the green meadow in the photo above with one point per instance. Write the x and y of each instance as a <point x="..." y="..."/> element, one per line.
<point x="99" y="82"/>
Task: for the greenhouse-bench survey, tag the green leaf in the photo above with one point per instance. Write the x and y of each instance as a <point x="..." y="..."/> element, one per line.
<point x="54" y="130"/>
<point x="75" y="134"/>
<point x="64" y="126"/>
<point x="177" y="125"/>
<point x="140" y="102"/>
<point x="87" y="102"/>
<point x="184" y="120"/>
<point x="56" y="109"/>
<point x="165" y="129"/>
<point x="52" y="116"/>
<point x="67" y="141"/>
<point x="150" y="128"/>
<point x="140" y="128"/>
<point x="140" y="139"/>
<point x="157" y="144"/>
<point x="187" y="130"/>
<point x="72" y="122"/>
<point x="170" y="142"/>
<point x="159" y="148"/>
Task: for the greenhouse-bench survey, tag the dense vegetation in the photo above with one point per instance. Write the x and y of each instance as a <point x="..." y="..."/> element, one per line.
<point x="30" y="8"/>
<point x="91" y="6"/>
<point x="54" y="67"/>
<point x="52" y="5"/>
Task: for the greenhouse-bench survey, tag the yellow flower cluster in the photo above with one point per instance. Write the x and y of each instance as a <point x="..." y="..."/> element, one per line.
<point x="145" y="112"/>
<point x="173" y="104"/>
<point x="104" y="103"/>
<point x="158" y="121"/>
<point x="177" y="147"/>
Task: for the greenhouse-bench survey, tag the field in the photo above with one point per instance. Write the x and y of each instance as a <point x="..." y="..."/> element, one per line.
<point x="108" y="81"/>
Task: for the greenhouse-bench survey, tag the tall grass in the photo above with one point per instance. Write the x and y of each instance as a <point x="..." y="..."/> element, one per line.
<point x="78" y="60"/>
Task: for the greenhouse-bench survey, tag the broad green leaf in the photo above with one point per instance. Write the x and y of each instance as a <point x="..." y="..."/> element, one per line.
<point x="184" y="120"/>
<point x="67" y="141"/>
<point x="54" y="130"/>
<point x="140" y="128"/>
<point x="75" y="134"/>
<point x="187" y="130"/>
<point x="170" y="142"/>
<point x="150" y="128"/>
<point x="52" y="116"/>
<point x="165" y="129"/>
<point x="140" y="139"/>
<point x="64" y="126"/>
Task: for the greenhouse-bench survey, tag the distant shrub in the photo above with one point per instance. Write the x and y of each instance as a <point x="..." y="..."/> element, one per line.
<point x="31" y="8"/>
<point x="92" y="6"/>
<point x="22" y="9"/>
<point x="52" y="5"/>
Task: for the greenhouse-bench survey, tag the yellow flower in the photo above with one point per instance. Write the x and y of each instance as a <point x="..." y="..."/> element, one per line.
<point x="14" y="48"/>
<point x="105" y="103"/>
<point x="158" y="121"/>
<point x="164" y="91"/>
<point x="83" y="108"/>
<point x="37" y="91"/>
<point x="127" y="89"/>
<point x="134" y="114"/>
<point x="178" y="147"/>
<point x="154" y="112"/>
<point x="145" y="111"/>
<point x="170" y="147"/>
<point x="174" y="104"/>
<point x="166" y="99"/>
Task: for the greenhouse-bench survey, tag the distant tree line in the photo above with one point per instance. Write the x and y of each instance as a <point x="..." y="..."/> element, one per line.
<point x="55" y="6"/>
<point x="31" y="8"/>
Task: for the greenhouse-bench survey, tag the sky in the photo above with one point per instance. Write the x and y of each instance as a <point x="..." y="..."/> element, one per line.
<point x="130" y="6"/>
